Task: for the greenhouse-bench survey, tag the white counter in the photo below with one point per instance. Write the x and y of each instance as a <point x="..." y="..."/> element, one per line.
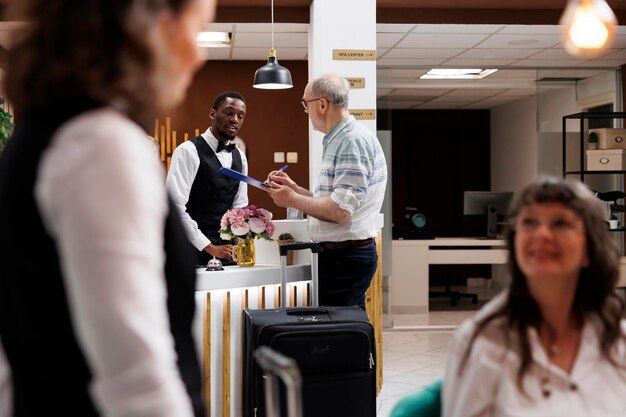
<point x="235" y="277"/>
<point x="411" y="259"/>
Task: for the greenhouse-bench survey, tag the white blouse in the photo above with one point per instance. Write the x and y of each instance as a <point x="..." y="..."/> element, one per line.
<point x="101" y="194"/>
<point x="182" y="173"/>
<point x="488" y="386"/>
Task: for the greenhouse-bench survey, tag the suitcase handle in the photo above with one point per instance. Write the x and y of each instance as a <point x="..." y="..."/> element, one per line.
<point x="298" y="246"/>
<point x="275" y="365"/>
<point x="308" y="311"/>
<point x="283" y="266"/>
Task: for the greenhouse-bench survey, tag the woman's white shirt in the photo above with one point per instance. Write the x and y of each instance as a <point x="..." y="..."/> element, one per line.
<point x="487" y="385"/>
<point x="101" y="193"/>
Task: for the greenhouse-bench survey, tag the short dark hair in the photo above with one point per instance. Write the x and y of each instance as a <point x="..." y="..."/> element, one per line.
<point x="86" y="51"/>
<point x="595" y="291"/>
<point x="223" y="96"/>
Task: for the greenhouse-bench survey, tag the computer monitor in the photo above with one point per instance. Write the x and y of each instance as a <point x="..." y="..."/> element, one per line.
<point x="492" y="205"/>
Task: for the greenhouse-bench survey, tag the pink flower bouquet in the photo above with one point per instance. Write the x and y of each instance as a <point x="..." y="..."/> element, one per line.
<point x="247" y="222"/>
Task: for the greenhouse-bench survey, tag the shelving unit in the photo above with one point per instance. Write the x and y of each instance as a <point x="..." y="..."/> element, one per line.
<point x="583" y="117"/>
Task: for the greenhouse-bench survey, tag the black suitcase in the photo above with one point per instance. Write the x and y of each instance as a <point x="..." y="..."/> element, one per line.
<point x="334" y="348"/>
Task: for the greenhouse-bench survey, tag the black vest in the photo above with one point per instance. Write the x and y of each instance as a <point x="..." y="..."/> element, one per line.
<point x="49" y="371"/>
<point x="212" y="194"/>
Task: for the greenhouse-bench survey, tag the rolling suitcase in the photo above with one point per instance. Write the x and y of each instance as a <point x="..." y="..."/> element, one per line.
<point x="334" y="348"/>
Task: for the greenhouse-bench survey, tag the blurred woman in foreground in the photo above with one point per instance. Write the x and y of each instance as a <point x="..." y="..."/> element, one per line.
<point x="554" y="343"/>
<point x="96" y="299"/>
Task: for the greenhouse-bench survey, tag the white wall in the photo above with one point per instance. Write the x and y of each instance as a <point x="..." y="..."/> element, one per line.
<point x="513" y="145"/>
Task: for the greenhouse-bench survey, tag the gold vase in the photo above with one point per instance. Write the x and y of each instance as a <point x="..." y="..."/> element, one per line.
<point x="244" y="252"/>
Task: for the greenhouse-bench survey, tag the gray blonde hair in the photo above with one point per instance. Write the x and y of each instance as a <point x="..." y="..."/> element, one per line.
<point x="332" y="87"/>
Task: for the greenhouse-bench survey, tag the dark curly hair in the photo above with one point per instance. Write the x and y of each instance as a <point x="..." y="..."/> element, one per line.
<point x="595" y="291"/>
<point x="223" y="96"/>
<point x="85" y="51"/>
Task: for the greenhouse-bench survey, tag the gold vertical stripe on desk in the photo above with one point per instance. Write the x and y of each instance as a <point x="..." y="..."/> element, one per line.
<point x="206" y="347"/>
<point x="226" y="356"/>
<point x="374" y="309"/>
<point x="261" y="305"/>
<point x="277" y="291"/>
<point x="293" y="296"/>
<point x="305" y="294"/>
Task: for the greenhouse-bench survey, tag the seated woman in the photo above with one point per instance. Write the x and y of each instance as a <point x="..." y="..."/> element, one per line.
<point x="554" y="343"/>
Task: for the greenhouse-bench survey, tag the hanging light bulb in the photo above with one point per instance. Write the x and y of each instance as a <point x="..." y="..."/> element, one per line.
<point x="588" y="27"/>
<point x="272" y="76"/>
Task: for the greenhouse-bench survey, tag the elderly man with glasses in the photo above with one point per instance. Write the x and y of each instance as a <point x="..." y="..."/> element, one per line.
<point x="343" y="209"/>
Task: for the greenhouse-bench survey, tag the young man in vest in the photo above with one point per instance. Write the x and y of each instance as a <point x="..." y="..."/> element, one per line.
<point x="200" y="192"/>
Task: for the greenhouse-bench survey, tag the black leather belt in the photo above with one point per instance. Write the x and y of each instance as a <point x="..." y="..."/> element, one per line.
<point x="326" y="246"/>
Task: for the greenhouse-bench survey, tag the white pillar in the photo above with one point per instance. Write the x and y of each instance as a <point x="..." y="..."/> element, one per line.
<point x="342" y="24"/>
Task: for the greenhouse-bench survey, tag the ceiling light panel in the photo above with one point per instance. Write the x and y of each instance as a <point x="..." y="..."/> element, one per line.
<point x="457" y="73"/>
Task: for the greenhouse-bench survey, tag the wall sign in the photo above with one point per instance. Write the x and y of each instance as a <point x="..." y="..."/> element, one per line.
<point x="356" y="82"/>
<point x="363" y="114"/>
<point x="354" y="54"/>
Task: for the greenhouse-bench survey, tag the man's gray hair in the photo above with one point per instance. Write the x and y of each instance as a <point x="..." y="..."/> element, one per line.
<point x="332" y="87"/>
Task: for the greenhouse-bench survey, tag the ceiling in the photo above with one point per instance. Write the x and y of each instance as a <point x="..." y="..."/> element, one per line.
<point x="522" y="53"/>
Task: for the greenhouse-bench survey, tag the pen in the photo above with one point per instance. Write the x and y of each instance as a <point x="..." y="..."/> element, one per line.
<point x="283" y="168"/>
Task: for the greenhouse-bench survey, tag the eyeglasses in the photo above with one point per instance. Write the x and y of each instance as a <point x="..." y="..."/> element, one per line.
<point x="305" y="103"/>
<point x="558" y="226"/>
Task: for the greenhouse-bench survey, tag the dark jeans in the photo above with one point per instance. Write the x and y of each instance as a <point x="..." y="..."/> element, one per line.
<point x="345" y="275"/>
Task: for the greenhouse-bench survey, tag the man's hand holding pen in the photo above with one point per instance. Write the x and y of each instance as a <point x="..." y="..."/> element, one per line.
<point x="283" y="188"/>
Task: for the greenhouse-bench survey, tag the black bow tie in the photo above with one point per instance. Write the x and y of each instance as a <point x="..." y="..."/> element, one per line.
<point x="221" y="147"/>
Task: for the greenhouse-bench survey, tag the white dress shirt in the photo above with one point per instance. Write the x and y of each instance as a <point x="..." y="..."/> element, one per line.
<point x="100" y="191"/>
<point x="183" y="169"/>
<point x="488" y="386"/>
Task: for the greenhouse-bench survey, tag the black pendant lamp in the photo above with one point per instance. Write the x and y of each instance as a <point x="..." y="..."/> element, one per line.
<point x="272" y="76"/>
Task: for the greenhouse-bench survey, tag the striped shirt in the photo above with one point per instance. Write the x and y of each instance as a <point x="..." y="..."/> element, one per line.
<point x="354" y="175"/>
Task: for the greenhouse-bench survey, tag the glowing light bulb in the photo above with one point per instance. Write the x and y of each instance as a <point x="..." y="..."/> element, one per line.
<point x="589" y="27"/>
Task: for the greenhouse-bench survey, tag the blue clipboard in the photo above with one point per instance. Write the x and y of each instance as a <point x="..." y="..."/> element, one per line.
<point x="241" y="177"/>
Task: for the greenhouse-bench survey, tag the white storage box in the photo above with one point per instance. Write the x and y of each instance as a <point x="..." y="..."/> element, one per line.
<point x="611" y="138"/>
<point x="606" y="160"/>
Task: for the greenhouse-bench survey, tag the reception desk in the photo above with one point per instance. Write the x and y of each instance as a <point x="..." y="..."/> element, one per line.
<point x="411" y="259"/>
<point x="222" y="295"/>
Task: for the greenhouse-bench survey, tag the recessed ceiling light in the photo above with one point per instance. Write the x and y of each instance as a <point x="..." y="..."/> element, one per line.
<point x="213" y="39"/>
<point x="522" y="42"/>
<point x="457" y="74"/>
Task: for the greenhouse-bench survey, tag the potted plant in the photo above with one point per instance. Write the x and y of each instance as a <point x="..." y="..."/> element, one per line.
<point x="592" y="140"/>
<point x="613" y="221"/>
<point x="6" y="126"/>
<point x="284" y="238"/>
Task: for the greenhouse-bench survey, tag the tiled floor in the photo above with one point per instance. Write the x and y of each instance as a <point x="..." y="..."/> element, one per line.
<point x="414" y="351"/>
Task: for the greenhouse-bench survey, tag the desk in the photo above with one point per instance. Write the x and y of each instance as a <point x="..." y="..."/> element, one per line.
<point x="220" y="298"/>
<point x="410" y="261"/>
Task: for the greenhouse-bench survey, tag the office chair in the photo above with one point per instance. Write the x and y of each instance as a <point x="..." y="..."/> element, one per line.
<point x="425" y="402"/>
<point x="455" y="296"/>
